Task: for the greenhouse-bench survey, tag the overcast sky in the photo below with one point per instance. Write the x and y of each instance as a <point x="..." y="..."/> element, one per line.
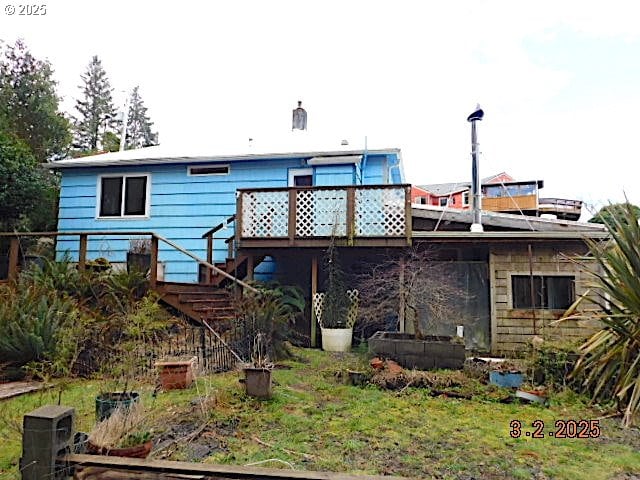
<point x="559" y="81"/>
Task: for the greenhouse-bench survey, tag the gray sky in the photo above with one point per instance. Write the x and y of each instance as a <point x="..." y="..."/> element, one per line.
<point x="558" y="80"/>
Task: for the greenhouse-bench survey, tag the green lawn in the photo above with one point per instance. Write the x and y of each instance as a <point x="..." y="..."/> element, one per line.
<point x="315" y="421"/>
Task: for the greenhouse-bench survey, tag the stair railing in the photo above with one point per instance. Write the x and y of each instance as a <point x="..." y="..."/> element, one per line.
<point x="208" y="265"/>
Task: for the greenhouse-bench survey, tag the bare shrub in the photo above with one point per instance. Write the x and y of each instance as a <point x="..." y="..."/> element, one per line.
<point x="413" y="286"/>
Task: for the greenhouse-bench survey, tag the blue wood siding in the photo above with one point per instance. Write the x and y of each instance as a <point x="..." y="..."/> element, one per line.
<point x="183" y="207"/>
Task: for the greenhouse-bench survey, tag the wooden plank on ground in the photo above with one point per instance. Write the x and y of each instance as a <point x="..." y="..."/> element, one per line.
<point x="13" y="389"/>
<point x="231" y="472"/>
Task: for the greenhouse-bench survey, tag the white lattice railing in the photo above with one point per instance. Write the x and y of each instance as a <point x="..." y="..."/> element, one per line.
<point x="376" y="211"/>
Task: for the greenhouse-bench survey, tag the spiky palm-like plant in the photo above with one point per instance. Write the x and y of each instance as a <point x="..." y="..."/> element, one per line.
<point x="610" y="358"/>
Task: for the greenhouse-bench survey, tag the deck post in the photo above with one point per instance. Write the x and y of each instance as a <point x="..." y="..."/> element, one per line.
<point x="209" y="257"/>
<point x="351" y="213"/>
<point x="14" y="248"/>
<point x="153" y="274"/>
<point x="402" y="305"/>
<point x="408" y="215"/>
<point x="250" y="267"/>
<point x="238" y="229"/>
<point x="314" y="290"/>
<point x="82" y="252"/>
<point x="291" y="226"/>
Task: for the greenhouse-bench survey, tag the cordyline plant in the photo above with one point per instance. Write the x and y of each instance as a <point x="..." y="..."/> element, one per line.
<point x="610" y="358"/>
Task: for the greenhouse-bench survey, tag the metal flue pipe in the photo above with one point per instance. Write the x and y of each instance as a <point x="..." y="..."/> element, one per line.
<point x="476" y="198"/>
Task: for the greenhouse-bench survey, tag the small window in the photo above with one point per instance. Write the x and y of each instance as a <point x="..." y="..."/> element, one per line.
<point x="301" y="177"/>
<point x="443" y="201"/>
<point x="210" y="170"/>
<point x="550" y="292"/>
<point x="465" y="198"/>
<point x="124" y="196"/>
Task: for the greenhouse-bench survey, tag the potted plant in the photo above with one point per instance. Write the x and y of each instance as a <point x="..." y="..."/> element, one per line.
<point x="123" y="434"/>
<point x="336" y="307"/>
<point x="139" y="255"/>
<point x="257" y="374"/>
<point x="133" y="328"/>
<point x="176" y="373"/>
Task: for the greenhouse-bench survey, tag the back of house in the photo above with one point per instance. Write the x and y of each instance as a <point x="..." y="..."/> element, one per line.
<point x="180" y="196"/>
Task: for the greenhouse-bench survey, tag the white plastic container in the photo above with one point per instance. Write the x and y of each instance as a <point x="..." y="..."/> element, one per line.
<point x="336" y="339"/>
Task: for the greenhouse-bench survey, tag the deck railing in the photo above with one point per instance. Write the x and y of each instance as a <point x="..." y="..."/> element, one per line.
<point x="83" y="237"/>
<point x="370" y="211"/>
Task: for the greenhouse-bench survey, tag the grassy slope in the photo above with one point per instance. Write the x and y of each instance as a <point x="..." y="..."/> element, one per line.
<point x="316" y="422"/>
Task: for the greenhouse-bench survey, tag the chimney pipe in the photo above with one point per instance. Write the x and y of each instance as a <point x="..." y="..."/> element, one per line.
<point x="476" y="202"/>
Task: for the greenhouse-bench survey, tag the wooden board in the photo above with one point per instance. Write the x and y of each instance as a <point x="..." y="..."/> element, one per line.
<point x="218" y="471"/>
<point x="13" y="389"/>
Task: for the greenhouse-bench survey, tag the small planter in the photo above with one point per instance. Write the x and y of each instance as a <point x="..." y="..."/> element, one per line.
<point x="257" y="382"/>
<point x="506" y="379"/>
<point x="177" y="374"/>
<point x="337" y="339"/>
<point x="139" y="262"/>
<point x="106" y="403"/>
<point x="137" y="451"/>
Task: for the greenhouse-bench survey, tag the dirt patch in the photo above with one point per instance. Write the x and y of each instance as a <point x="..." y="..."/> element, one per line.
<point x="192" y="440"/>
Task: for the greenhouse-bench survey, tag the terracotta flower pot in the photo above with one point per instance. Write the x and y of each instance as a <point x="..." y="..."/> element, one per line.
<point x="176" y="374"/>
<point x="137" y="451"/>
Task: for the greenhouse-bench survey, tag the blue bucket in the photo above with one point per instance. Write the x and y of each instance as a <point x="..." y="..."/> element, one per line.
<point x="506" y="379"/>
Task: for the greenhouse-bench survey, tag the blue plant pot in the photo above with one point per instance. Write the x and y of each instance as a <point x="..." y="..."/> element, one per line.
<point x="506" y="379"/>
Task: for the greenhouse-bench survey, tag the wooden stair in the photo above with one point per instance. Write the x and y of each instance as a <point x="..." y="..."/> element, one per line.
<point x="200" y="302"/>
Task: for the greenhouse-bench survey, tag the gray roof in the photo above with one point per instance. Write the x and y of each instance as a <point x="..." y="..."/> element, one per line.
<point x="440" y="189"/>
<point x="506" y="220"/>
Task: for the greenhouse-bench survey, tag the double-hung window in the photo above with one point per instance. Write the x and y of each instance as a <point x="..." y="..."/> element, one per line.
<point x="123" y="196"/>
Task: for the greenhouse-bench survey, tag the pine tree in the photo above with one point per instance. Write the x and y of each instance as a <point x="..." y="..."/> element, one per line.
<point x="139" y="125"/>
<point x="29" y="103"/>
<point x="96" y="111"/>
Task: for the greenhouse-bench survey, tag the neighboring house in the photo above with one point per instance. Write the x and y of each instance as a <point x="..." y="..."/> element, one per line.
<point x="500" y="193"/>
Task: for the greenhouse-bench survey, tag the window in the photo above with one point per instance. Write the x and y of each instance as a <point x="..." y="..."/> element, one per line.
<point x="465" y="198"/>
<point x="123" y="196"/>
<point x="301" y="177"/>
<point x="209" y="170"/>
<point x="550" y="292"/>
<point x="443" y="201"/>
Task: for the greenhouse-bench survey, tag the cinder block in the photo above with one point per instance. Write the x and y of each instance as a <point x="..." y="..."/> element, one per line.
<point x="48" y="434"/>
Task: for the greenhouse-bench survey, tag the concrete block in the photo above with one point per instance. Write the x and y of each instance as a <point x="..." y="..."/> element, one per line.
<point x="48" y="434"/>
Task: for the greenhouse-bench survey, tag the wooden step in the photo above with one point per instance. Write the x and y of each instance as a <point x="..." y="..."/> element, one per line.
<point x="207" y="308"/>
<point x="197" y="298"/>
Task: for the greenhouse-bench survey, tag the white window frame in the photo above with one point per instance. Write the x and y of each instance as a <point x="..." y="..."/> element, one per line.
<point x="446" y="201"/>
<point x="214" y="165"/>
<point x="147" y="206"/>
<point x="298" y="172"/>
<point x="466" y="198"/>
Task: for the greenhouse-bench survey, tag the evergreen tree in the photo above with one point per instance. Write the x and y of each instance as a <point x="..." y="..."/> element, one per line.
<point x="139" y="125"/>
<point x="96" y="111"/>
<point x="29" y="103"/>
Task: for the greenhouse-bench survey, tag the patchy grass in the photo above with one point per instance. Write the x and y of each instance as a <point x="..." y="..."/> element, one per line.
<point x="315" y="421"/>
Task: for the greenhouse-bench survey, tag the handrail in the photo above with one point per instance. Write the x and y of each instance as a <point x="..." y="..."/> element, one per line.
<point x="326" y="187"/>
<point x="220" y="226"/>
<point x="205" y="263"/>
<point x="74" y="233"/>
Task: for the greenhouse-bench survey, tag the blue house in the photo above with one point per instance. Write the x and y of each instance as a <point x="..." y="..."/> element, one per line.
<point x="180" y="197"/>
